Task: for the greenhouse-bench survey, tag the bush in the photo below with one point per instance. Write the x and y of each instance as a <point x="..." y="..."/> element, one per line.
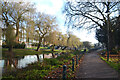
<point x="114" y="51"/>
<point x="20" y="46"/>
<point x="5" y="46"/>
<point x="23" y="45"/>
<point x="34" y="44"/>
<point x="52" y="61"/>
<point x="16" y="45"/>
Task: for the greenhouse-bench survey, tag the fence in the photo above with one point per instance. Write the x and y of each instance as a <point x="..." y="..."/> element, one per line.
<point x="73" y="65"/>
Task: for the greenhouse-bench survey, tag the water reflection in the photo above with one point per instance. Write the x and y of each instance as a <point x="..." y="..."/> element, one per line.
<point x="48" y="55"/>
<point x="27" y="60"/>
<point x="24" y="61"/>
<point x="1" y="65"/>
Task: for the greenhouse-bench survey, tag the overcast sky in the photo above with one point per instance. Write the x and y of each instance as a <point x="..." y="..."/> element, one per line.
<point x="54" y="7"/>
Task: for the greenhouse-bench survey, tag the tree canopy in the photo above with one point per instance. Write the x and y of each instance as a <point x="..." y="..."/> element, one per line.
<point x="94" y="15"/>
<point x="81" y="14"/>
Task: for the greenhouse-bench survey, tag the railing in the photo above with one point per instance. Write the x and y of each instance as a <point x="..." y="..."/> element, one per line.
<point x="73" y="65"/>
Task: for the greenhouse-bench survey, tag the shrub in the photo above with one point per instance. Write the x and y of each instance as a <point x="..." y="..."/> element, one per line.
<point x="23" y="45"/>
<point x="52" y="61"/>
<point x="20" y="46"/>
<point x="34" y="44"/>
<point x="16" y="45"/>
<point x="5" y="46"/>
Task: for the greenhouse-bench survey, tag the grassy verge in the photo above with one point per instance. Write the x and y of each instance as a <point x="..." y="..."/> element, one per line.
<point x="57" y="73"/>
<point x="113" y="64"/>
<point x="23" y="52"/>
<point x="36" y="48"/>
<point x="39" y="70"/>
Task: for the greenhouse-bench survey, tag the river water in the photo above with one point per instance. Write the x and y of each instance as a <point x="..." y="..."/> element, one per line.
<point x="25" y="60"/>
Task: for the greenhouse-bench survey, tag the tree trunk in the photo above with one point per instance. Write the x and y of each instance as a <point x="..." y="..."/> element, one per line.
<point x="38" y="57"/>
<point x="17" y="32"/>
<point x="38" y="46"/>
<point x="53" y="55"/>
<point x="111" y="42"/>
<point x="11" y="54"/>
<point x="43" y="56"/>
<point x="53" y="47"/>
<point x="40" y="40"/>
<point x="27" y="40"/>
<point x="10" y="48"/>
<point x="15" y="63"/>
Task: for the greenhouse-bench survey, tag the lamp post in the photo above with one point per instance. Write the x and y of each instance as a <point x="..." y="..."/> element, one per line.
<point x="108" y="22"/>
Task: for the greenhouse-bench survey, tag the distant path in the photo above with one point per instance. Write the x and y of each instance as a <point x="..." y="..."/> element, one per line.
<point x="93" y="67"/>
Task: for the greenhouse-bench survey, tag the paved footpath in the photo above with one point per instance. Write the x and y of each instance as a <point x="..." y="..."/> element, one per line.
<point x="93" y="67"/>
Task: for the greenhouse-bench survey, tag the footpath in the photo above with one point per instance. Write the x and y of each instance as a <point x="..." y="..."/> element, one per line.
<point x="93" y="67"/>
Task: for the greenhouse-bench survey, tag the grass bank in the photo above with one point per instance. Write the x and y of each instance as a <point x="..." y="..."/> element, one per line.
<point x="39" y="70"/>
<point x="36" y="48"/>
<point x="23" y="52"/>
<point x="112" y="63"/>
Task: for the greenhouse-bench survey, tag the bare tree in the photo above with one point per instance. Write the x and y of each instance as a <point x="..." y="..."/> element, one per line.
<point x="91" y="15"/>
<point x="79" y="14"/>
<point x="52" y="38"/>
<point x="15" y="13"/>
<point x="44" y="24"/>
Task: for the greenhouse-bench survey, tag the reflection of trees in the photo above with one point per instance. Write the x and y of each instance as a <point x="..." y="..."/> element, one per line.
<point x="38" y="57"/>
<point x="53" y="56"/>
<point x="11" y="63"/>
<point x="43" y="56"/>
<point x="49" y="55"/>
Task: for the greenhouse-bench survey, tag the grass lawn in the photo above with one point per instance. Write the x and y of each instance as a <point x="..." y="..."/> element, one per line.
<point x="113" y="64"/>
<point x="23" y="52"/>
<point x="36" y="48"/>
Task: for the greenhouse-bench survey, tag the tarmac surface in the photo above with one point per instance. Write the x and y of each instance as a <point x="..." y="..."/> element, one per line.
<point x="93" y="67"/>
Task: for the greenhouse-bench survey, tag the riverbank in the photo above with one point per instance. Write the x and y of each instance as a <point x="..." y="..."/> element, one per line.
<point x="23" y="52"/>
<point x="39" y="70"/>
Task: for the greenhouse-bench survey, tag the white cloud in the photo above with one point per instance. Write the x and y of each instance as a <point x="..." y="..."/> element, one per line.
<point x="45" y="9"/>
<point x="85" y="36"/>
<point x="53" y="7"/>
